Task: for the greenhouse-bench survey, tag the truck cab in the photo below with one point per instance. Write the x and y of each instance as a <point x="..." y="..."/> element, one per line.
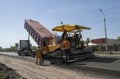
<point x="24" y="48"/>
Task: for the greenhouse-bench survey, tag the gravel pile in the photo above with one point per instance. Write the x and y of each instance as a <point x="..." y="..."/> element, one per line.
<point x="8" y="73"/>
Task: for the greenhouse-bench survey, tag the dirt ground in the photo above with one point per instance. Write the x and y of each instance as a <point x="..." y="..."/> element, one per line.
<point x="8" y="73"/>
<point x="30" y="70"/>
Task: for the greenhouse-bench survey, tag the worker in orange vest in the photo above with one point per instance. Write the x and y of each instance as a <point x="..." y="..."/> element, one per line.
<point x="38" y="56"/>
<point x="67" y="47"/>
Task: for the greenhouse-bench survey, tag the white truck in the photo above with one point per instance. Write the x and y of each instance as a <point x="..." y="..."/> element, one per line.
<point x="24" y="48"/>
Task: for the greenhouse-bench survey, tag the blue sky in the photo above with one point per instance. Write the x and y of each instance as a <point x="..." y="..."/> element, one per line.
<point x="51" y="12"/>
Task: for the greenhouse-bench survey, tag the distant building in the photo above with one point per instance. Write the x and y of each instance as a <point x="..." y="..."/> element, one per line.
<point x="113" y="44"/>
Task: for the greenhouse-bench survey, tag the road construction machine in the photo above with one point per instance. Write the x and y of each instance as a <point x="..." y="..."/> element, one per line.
<point x="52" y="44"/>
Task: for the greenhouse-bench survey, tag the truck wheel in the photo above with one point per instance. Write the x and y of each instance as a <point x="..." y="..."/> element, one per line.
<point x="19" y="54"/>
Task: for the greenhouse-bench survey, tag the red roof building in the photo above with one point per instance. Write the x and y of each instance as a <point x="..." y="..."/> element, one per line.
<point x="101" y="41"/>
<point x="98" y="41"/>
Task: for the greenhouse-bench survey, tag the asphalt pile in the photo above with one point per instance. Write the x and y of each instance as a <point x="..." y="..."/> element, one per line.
<point x="8" y="73"/>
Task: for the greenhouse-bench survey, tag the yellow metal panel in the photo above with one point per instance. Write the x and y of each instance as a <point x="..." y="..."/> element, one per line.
<point x="51" y="48"/>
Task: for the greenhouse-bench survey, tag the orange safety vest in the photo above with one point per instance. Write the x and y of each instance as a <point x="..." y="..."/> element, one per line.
<point x="66" y="44"/>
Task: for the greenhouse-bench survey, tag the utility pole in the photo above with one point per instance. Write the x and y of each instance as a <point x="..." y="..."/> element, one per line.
<point x="106" y="44"/>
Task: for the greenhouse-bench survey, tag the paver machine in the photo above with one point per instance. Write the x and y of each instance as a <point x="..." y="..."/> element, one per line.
<point x="78" y="49"/>
<point x="52" y="43"/>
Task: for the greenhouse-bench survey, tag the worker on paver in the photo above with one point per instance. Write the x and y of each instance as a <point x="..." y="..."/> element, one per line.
<point x="64" y="35"/>
<point x="66" y="47"/>
<point x="38" y="56"/>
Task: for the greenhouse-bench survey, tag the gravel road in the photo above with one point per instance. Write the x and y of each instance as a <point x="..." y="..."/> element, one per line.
<point x="30" y="70"/>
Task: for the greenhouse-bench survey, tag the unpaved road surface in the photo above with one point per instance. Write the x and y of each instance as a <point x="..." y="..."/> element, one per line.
<point x="30" y="70"/>
<point x="8" y="73"/>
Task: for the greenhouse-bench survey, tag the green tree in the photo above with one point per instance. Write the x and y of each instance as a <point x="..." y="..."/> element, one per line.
<point x="118" y="38"/>
<point x="16" y="45"/>
<point x="12" y="48"/>
<point x="0" y="48"/>
<point x="87" y="41"/>
<point x="34" y="47"/>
